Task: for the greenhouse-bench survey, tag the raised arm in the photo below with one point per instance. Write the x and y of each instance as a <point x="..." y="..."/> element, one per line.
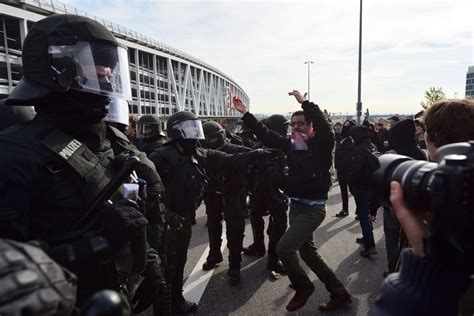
<point x="268" y="137"/>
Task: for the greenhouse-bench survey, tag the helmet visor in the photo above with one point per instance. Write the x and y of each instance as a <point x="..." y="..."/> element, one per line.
<point x="147" y="130"/>
<point x="189" y="129"/>
<point x="118" y="112"/>
<point x="99" y="68"/>
<point x="238" y="129"/>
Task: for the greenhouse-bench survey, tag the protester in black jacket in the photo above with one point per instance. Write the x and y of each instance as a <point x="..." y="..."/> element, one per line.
<point x="309" y="154"/>
<point x="361" y="167"/>
<point x="342" y="165"/>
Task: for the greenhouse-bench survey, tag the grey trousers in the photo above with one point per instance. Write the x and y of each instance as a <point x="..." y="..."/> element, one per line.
<point x="304" y="219"/>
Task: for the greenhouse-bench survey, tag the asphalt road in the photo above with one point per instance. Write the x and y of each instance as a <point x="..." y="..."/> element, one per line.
<point x="260" y="294"/>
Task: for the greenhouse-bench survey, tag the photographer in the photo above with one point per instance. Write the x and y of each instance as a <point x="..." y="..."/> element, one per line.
<point x="435" y="273"/>
<point x="423" y="286"/>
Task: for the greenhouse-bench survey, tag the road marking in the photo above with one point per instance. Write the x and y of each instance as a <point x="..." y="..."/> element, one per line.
<point x="197" y="281"/>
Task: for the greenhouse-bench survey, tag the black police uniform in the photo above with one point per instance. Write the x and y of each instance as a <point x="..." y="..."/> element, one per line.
<point x="151" y="145"/>
<point x="188" y="174"/>
<point x="55" y="166"/>
<point x="267" y="198"/>
<point x="184" y="170"/>
<point x="224" y="197"/>
<point x="46" y="194"/>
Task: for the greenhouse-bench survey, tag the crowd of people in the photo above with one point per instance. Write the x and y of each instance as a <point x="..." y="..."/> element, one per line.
<point x="94" y="199"/>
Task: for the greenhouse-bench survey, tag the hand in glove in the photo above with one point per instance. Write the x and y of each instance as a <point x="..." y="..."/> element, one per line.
<point x="265" y="154"/>
<point x="175" y="221"/>
<point x="123" y="222"/>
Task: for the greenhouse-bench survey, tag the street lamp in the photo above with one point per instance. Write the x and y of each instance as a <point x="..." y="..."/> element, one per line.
<point x="359" y="103"/>
<point x="309" y="62"/>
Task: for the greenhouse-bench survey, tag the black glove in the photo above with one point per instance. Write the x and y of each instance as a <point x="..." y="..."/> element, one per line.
<point x="32" y="283"/>
<point x="123" y="222"/>
<point x="175" y="221"/>
<point x="263" y="154"/>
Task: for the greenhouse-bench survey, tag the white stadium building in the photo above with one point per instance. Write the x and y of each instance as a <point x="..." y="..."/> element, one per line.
<point x="164" y="79"/>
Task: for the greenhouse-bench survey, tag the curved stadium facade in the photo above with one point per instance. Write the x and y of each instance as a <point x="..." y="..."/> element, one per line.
<point x="164" y="79"/>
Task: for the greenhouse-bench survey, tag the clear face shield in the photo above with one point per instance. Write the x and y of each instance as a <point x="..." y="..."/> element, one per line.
<point x="146" y="130"/>
<point x="98" y="68"/>
<point x="237" y="129"/>
<point x="190" y="129"/>
<point x="118" y="112"/>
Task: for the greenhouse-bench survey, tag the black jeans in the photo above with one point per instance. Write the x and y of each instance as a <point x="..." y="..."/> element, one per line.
<point x="276" y="204"/>
<point x="342" y="179"/>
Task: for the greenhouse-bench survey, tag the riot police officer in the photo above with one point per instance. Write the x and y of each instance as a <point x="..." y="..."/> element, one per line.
<point x="266" y="198"/>
<point x="248" y="138"/>
<point x="55" y="167"/>
<point x="182" y="165"/>
<point x="224" y="197"/>
<point x="148" y="131"/>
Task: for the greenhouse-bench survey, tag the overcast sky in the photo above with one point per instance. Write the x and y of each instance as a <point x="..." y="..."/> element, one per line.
<point x="408" y="46"/>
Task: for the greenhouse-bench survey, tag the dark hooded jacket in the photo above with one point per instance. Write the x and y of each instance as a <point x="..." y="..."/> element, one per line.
<point x="401" y="138"/>
<point x="360" y="166"/>
<point x="344" y="147"/>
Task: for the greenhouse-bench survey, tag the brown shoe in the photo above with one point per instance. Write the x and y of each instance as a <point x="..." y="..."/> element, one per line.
<point x="299" y="300"/>
<point x="336" y="302"/>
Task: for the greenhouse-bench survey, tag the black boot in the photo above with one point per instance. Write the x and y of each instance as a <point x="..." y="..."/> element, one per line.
<point x="255" y="250"/>
<point x="276" y="265"/>
<point x="234" y="276"/>
<point x="342" y="213"/>
<point x="183" y="306"/>
<point x="212" y="262"/>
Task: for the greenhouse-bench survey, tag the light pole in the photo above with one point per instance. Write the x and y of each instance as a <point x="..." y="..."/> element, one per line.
<point x="359" y="103"/>
<point x="455" y="95"/>
<point x="309" y="62"/>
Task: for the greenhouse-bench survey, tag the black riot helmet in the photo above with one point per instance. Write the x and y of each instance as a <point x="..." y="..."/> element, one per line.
<point x="64" y="53"/>
<point x="149" y="127"/>
<point x="214" y="133"/>
<point x="184" y="125"/>
<point x="278" y="123"/>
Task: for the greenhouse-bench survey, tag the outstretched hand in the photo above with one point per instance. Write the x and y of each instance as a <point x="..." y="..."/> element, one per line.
<point x="414" y="224"/>
<point x="239" y="105"/>
<point x="366" y="114"/>
<point x="327" y="114"/>
<point x="300" y="98"/>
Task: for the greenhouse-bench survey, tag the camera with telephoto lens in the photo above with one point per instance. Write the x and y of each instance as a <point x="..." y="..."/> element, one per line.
<point x="446" y="190"/>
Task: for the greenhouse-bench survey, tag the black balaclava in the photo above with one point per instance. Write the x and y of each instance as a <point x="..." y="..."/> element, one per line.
<point x="79" y="114"/>
<point x="346" y="128"/>
<point x="188" y="146"/>
<point x="219" y="140"/>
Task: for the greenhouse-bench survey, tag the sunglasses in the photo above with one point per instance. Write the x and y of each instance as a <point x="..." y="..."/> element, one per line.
<point x="299" y="123"/>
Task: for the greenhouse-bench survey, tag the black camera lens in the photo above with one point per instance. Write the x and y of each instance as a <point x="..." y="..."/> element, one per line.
<point x="413" y="175"/>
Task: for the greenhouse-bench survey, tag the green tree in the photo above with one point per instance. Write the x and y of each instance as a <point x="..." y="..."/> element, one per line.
<point x="432" y="95"/>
